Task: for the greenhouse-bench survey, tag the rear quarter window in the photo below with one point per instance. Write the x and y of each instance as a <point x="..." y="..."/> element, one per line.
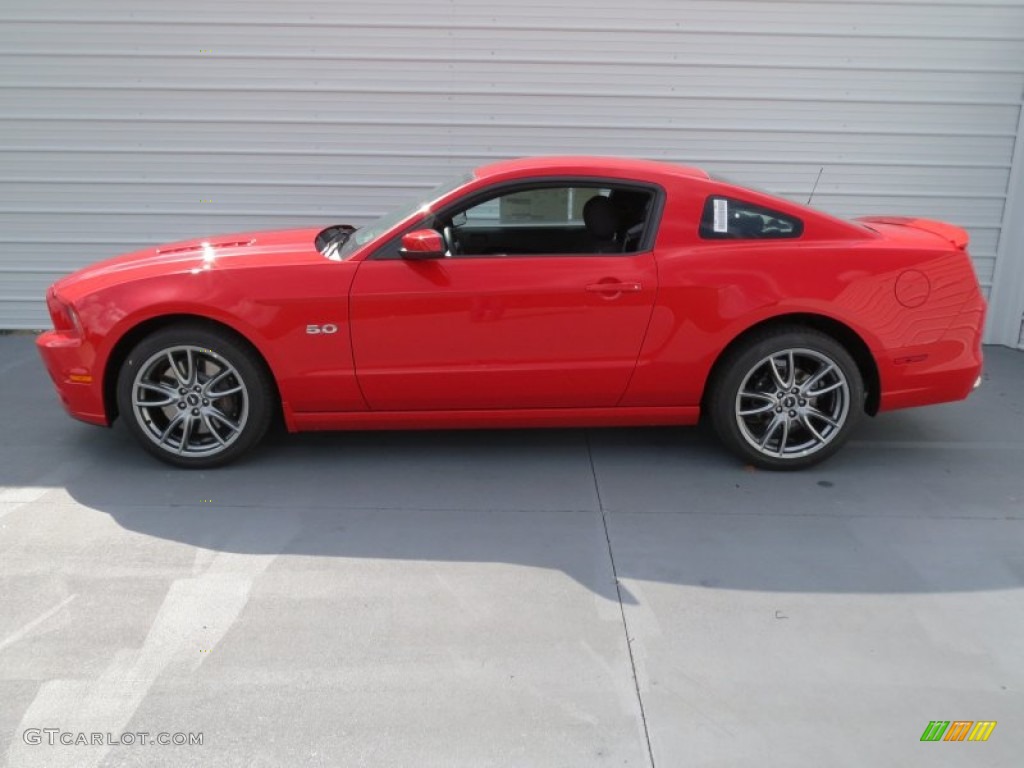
<point x="725" y="218"/>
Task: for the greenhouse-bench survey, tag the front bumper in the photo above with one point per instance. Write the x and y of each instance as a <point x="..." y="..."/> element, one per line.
<point x="71" y="367"/>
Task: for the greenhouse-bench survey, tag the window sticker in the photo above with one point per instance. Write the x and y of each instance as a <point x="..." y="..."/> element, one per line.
<point x="728" y="218"/>
<point x="535" y="206"/>
<point x="721" y="223"/>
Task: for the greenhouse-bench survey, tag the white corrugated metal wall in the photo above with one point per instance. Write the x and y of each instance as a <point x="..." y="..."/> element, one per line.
<point x="127" y="122"/>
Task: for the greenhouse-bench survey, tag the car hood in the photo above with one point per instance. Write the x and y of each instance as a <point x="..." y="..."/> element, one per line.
<point x="242" y="249"/>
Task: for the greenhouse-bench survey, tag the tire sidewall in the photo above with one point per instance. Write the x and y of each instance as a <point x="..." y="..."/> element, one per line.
<point x="740" y="363"/>
<point x="258" y="389"/>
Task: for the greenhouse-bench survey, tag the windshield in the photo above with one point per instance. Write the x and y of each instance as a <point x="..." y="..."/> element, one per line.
<point x="377" y="228"/>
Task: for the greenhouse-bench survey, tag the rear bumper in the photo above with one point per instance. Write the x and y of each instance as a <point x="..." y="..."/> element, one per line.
<point x="912" y="384"/>
<point x="70" y="365"/>
<point x="941" y="372"/>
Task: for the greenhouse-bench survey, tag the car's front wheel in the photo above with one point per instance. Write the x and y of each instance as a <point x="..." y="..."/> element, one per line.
<point x="786" y="399"/>
<point x="195" y="396"/>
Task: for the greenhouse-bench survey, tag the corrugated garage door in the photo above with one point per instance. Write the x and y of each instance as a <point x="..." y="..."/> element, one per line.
<point x="128" y="123"/>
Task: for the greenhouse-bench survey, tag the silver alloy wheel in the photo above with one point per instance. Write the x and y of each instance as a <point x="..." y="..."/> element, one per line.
<point x="190" y="401"/>
<point x="792" y="403"/>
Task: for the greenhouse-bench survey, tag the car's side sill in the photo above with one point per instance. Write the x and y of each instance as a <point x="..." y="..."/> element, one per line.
<point x="497" y="419"/>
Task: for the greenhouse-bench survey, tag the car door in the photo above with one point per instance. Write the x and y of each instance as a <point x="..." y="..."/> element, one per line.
<point x="501" y="330"/>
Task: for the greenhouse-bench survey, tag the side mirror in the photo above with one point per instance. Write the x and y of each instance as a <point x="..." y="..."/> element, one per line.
<point x="423" y="244"/>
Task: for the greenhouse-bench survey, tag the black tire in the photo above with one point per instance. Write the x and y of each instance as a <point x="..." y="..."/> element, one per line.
<point x="802" y="418"/>
<point x="205" y="396"/>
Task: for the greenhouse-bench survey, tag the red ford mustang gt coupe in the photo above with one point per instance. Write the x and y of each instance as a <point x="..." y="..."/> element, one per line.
<point x="537" y="292"/>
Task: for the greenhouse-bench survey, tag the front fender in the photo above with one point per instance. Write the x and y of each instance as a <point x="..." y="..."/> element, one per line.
<point x="271" y="311"/>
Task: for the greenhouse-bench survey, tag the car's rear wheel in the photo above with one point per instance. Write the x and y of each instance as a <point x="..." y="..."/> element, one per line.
<point x="786" y="398"/>
<point x="195" y="396"/>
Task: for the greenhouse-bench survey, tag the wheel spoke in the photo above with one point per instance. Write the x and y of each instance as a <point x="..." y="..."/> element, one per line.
<point x="209" y="426"/>
<point x="184" y="378"/>
<point x="219" y="415"/>
<point x="823" y="417"/>
<point x="169" y="395"/>
<point x="225" y="392"/>
<point x="190" y="366"/>
<point x="760" y="409"/>
<point x="810" y="428"/>
<point x="186" y="432"/>
<point x="785" y="437"/>
<point x="209" y="386"/>
<point x="770" y="431"/>
<point x="174" y="368"/>
<point x="825" y="370"/>
<point x="779" y="381"/>
<point x="825" y="390"/>
<point x="211" y="383"/>
<point x="170" y="427"/>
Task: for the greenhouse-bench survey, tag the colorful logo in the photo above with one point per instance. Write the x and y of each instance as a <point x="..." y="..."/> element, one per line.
<point x="958" y="730"/>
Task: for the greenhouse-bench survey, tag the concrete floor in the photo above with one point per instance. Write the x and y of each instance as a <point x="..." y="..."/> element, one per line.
<point x="450" y="599"/>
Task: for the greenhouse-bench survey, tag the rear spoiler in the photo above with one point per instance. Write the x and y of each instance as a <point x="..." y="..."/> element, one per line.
<point x="953" y="234"/>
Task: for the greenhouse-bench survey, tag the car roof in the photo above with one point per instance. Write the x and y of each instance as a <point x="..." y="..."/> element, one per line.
<point x="587" y="165"/>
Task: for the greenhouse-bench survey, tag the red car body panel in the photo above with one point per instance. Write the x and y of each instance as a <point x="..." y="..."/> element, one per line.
<point x="518" y="332"/>
<point x="540" y="340"/>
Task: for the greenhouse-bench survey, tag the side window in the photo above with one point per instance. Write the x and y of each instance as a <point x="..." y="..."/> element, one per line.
<point x="547" y="219"/>
<point x="559" y="206"/>
<point x="725" y="218"/>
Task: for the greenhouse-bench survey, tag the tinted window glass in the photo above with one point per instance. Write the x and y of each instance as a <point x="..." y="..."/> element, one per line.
<point x="546" y="205"/>
<point x="550" y="219"/>
<point x="727" y="218"/>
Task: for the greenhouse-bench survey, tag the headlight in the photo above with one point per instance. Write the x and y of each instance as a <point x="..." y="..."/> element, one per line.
<point x="62" y="313"/>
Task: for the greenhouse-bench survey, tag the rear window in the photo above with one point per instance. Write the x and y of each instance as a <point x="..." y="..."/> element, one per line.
<point x="725" y="218"/>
